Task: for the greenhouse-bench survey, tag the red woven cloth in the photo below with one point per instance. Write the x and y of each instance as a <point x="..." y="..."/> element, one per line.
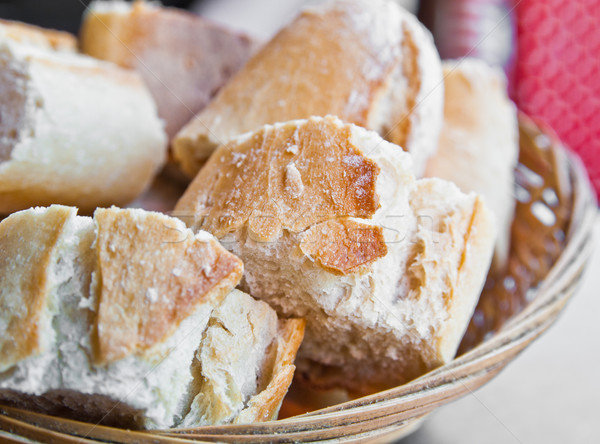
<point x="557" y="74"/>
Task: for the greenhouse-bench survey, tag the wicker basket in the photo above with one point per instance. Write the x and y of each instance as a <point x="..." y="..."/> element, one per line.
<point x="552" y="242"/>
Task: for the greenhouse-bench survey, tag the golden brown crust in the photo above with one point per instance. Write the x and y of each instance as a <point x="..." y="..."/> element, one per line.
<point x="56" y="40"/>
<point x="402" y="123"/>
<point x="478" y="146"/>
<point x="182" y="57"/>
<point x="474" y="263"/>
<point x="265" y="405"/>
<point x="314" y="173"/>
<point x="99" y="69"/>
<point x="303" y="71"/>
<point x="153" y="273"/>
<point x="28" y="242"/>
<point x="112" y="34"/>
<point x="343" y="245"/>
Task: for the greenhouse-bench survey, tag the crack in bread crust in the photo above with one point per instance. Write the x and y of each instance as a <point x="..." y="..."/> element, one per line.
<point x="337" y="181"/>
<point x="134" y="313"/>
<point x="343" y="245"/>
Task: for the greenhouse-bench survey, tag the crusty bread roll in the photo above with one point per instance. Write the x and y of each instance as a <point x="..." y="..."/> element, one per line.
<point x="129" y="319"/>
<point x="74" y="130"/>
<point x="46" y="38"/>
<point x="479" y="143"/>
<point x="369" y="62"/>
<point x="333" y="226"/>
<point x="183" y="58"/>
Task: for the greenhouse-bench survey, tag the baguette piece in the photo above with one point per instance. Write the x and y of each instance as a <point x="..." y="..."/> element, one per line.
<point x="369" y="62"/>
<point x="120" y="320"/>
<point x="479" y="144"/>
<point x="333" y="227"/>
<point x="183" y="58"/>
<point x="34" y="35"/>
<point x="74" y="130"/>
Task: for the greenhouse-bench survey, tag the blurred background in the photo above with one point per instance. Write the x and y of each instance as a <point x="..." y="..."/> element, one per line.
<point x="57" y="14"/>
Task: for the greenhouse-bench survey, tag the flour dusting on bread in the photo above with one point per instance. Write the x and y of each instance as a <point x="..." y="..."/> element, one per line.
<point x="107" y="330"/>
<point x="385" y="268"/>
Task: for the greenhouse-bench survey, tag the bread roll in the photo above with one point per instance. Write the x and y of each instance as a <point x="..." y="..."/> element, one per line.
<point x="129" y="319"/>
<point x="369" y="62"/>
<point x="479" y="144"/>
<point x="74" y="130"/>
<point x="333" y="227"/>
<point x="183" y="58"/>
<point x="33" y="35"/>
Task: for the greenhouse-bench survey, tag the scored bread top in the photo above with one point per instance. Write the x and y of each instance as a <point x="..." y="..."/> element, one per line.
<point x="33" y="35"/>
<point x="315" y="175"/>
<point x="153" y="273"/>
<point x="28" y="242"/>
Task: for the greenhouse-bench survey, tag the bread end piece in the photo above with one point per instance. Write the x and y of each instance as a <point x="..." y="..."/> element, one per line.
<point x="52" y="148"/>
<point x="392" y="84"/>
<point x="183" y="58"/>
<point x="479" y="143"/>
<point x="244" y="365"/>
<point x="28" y="244"/>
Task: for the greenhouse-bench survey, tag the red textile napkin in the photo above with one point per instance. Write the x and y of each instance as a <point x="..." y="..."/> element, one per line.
<point x="557" y="73"/>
